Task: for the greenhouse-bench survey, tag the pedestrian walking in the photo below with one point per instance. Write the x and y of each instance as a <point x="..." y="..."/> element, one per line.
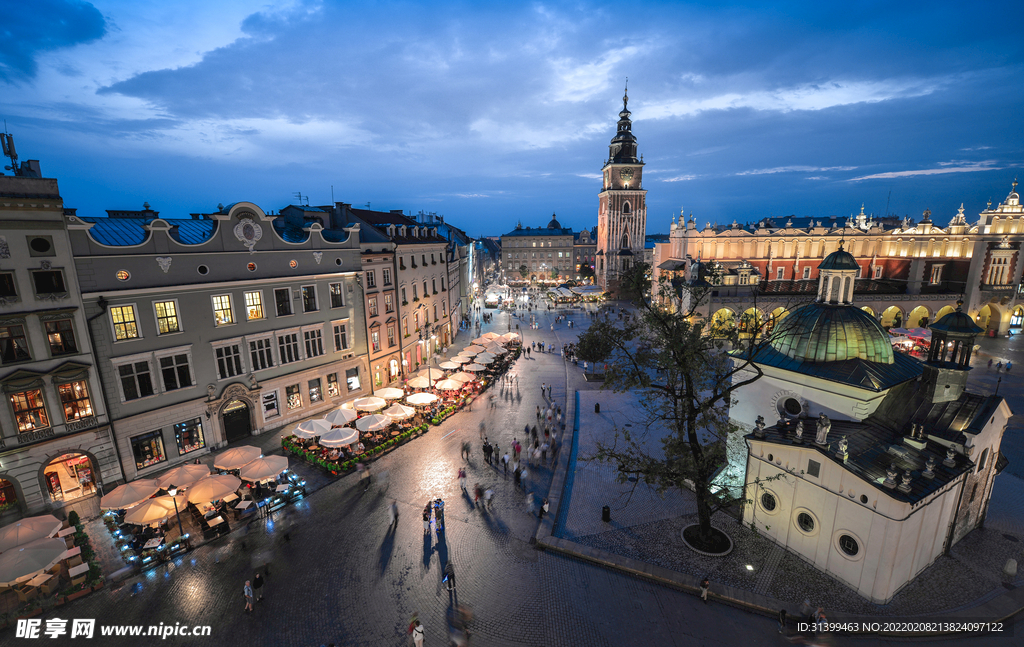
<point x="999" y="366"/>
<point x="504" y="463"/>
<point x="477" y="493"/>
<point x="488" y="495"/>
<point x="247" y="592"/>
<point x="426" y="520"/>
<point x="257" y="586"/>
<point x="465" y="449"/>
<point x="1009" y="365"/>
<point x="483" y="428"/>
<point x="543" y="508"/>
<point x="366" y="473"/>
<point x="990" y="364"/>
<point x="417" y="634"/>
<point x="516" y="476"/>
<point x="522" y="477"/>
<point x="392" y="514"/>
<point x="529" y="502"/>
<point x="543" y="388"/>
<point x="782" y="621"/>
<point x="820" y="620"/>
<point x="462" y="478"/>
<point x="705" y="584"/>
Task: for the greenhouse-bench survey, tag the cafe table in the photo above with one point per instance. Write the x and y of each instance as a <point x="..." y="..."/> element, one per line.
<point x="216" y="521"/>
<point x="153" y="543"/>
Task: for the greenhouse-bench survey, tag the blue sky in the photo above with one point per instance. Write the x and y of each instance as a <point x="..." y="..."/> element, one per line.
<point x="491" y="113"/>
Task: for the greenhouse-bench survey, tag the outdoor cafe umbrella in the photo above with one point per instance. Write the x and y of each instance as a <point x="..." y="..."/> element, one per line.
<point x="155" y="509"/>
<point x="129" y="494"/>
<point x="510" y="336"/>
<point x="490" y="335"/>
<point x="476" y="368"/>
<point x="183" y="475"/>
<point x="264" y="468"/>
<point x="213" y="488"/>
<point x="376" y="422"/>
<point x="462" y="376"/>
<point x="421" y="399"/>
<point x="339" y="437"/>
<point x="481" y="340"/>
<point x="310" y="428"/>
<point x="236" y="457"/>
<point x="420" y="382"/>
<point x="472" y="350"/>
<point x="391" y="393"/>
<point x="448" y="365"/>
<point x="399" y="412"/>
<point x="495" y="348"/>
<point x="484" y="358"/>
<point x="341" y="417"/>
<point x="28" y="530"/>
<point x="448" y="385"/>
<point x="462" y="359"/>
<point x="21" y="563"/>
<point x="369" y="404"/>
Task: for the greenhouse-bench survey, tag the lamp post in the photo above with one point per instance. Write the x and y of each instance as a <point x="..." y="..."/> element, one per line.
<point x="172" y="491"/>
<point x="426" y="334"/>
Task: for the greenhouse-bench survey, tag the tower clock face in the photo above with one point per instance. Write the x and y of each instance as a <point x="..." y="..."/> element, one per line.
<point x="626" y="174"/>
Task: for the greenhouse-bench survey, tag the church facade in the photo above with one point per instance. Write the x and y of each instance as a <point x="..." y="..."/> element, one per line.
<point x="878" y="462"/>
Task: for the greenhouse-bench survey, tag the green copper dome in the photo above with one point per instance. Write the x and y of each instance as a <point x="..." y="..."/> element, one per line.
<point x="820" y="332"/>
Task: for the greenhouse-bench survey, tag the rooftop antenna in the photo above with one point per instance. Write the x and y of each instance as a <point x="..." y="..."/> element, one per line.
<point x="299" y="197"/>
<point x="332" y="194"/>
<point x="8" y="145"/>
<point x="368" y="206"/>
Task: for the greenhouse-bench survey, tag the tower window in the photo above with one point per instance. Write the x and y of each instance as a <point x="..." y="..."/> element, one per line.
<point x="625" y="207"/>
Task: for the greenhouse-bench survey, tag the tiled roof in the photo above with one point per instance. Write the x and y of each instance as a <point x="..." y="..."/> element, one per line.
<point x="131" y="231"/>
<point x="539" y="232"/>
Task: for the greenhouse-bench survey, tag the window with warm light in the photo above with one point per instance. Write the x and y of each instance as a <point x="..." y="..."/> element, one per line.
<point x="222" y="315"/>
<point x="30" y="410"/>
<point x="124" y="321"/>
<point x="253" y="305"/>
<point x="61" y="336"/>
<point x="166" y="317"/>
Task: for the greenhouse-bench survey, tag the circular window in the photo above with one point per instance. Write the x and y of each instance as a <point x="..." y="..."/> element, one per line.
<point x="770" y="458"/>
<point x="805" y="522"/>
<point x="864" y="499"/>
<point x="202" y="269"/>
<point x="251" y="267"/>
<point x="293" y="264"/>
<point x="337" y="261"/>
<point x="123" y="275"/>
<point x="849" y="545"/>
<point x="40" y="245"/>
<point x="792" y="406"/>
<point x="768" y="502"/>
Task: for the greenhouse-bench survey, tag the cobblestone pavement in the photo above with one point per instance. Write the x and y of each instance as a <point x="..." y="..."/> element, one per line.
<point x="339" y="573"/>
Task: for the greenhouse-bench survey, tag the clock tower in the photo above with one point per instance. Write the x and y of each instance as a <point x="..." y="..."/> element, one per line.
<point x="622" y="207"/>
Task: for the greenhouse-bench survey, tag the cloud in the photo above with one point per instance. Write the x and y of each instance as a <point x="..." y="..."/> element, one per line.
<point x="471" y="195"/>
<point x="680" y="178"/>
<point x="795" y="169"/>
<point x="31" y="28"/>
<point x="977" y="148"/>
<point x="578" y="81"/>
<point x="590" y="176"/>
<point x="946" y="167"/>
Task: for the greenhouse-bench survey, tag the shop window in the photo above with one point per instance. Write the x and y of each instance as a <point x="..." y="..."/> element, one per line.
<point x="283" y="301"/>
<point x="316" y="394"/>
<point x="70" y="477"/>
<point x="136" y="381"/>
<point x="61" y="336"/>
<point x="294" y="398"/>
<point x="352" y="379"/>
<point x="13" y="345"/>
<point x="148" y="449"/>
<point x="30" y="410"/>
<point x="166" y="317"/>
<point x="8" y="495"/>
<point x="333" y="388"/>
<point x="125" y="322"/>
<point x="74" y="397"/>
<point x="270" y="409"/>
<point x="189" y="436"/>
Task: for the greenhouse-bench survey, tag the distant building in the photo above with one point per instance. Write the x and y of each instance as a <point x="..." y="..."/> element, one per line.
<point x="584" y="251"/>
<point x="546" y="253"/>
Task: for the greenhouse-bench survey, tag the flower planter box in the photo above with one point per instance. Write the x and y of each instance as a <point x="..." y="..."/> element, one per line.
<point x="78" y="594"/>
<point x="30" y="614"/>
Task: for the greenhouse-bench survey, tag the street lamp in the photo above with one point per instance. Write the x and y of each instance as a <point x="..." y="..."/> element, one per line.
<point x="172" y="491"/>
<point x="426" y="334"/>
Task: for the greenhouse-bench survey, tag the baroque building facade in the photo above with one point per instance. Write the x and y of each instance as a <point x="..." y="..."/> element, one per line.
<point x="539" y="254"/>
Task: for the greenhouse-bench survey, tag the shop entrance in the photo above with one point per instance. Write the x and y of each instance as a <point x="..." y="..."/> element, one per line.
<point x="70" y="477"/>
<point x="237" y="421"/>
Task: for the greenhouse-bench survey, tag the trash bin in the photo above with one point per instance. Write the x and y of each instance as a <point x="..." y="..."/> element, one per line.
<point x="606" y="514"/>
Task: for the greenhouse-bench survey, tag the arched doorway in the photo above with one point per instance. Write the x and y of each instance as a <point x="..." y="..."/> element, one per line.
<point x="722" y="322"/>
<point x="393" y="369"/>
<point x="1017" y="318"/>
<point x="237" y="420"/>
<point x="988" y="317"/>
<point x="893" y="317"/>
<point x="918" y="317"/>
<point x="945" y="310"/>
<point x="70" y="476"/>
<point x="868" y="310"/>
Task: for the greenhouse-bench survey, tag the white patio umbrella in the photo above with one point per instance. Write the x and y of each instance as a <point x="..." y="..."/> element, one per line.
<point x="23" y="562"/>
<point x="213" y="488"/>
<point x="264" y="468"/>
<point x="391" y="393"/>
<point x="421" y="382"/>
<point x="236" y="457"/>
<point x="484" y="358"/>
<point x="341" y="417"/>
<point x="421" y="399"/>
<point x="448" y="365"/>
<point x="28" y="530"/>
<point x="369" y="404"/>
<point x="472" y="350"/>
<point x="462" y="376"/>
<point x="476" y="368"/>
<point x="461" y="359"/>
<point x="481" y="340"/>
<point x="339" y="437"/>
<point x="496" y="349"/>
<point x="511" y="336"/>
<point x="155" y="509"/>
<point x="129" y="494"/>
<point x="399" y="412"/>
<point x="376" y="422"/>
<point x="448" y="385"/>
<point x="183" y="475"/>
<point x="311" y="428"/>
<point x="490" y="335"/>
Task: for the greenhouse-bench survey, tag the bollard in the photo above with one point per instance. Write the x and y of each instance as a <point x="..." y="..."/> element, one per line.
<point x="597" y="407"/>
<point x="606" y="514"/>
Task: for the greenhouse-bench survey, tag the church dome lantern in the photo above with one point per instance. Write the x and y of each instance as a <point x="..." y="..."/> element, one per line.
<point x="837" y="275"/>
<point x="953" y="338"/>
<point x="554" y="224"/>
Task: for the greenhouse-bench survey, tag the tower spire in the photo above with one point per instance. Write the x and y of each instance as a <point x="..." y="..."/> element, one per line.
<point x="625" y="102"/>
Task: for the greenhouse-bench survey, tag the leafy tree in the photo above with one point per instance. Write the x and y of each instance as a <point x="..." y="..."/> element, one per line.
<point x="586" y="272"/>
<point x="685" y="380"/>
<point x="554" y="273"/>
<point x="525" y="271"/>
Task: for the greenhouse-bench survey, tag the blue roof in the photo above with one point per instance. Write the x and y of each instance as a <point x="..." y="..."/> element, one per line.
<point x="123" y="232"/>
<point x="290" y="233"/>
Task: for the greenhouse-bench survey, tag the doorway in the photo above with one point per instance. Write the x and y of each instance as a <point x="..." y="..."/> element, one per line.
<point x="237" y="422"/>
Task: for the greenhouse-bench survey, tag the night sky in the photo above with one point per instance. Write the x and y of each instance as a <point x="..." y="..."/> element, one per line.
<point x="491" y="113"/>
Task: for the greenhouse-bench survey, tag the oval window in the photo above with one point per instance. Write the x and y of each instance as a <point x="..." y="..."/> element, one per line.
<point x="123" y="275"/>
<point x="251" y="267"/>
<point x="202" y="269"/>
<point x="864" y="499"/>
<point x="849" y="545"/>
<point x="768" y="501"/>
<point x="792" y="406"/>
<point x="40" y="245"/>
<point x="770" y="458"/>
<point x="293" y="264"/>
<point x="337" y="261"/>
<point x="805" y="521"/>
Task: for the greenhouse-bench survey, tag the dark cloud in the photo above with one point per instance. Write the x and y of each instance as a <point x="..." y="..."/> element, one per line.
<point x="29" y="28"/>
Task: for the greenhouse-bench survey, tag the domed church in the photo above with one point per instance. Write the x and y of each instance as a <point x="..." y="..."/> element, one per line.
<point x="885" y="461"/>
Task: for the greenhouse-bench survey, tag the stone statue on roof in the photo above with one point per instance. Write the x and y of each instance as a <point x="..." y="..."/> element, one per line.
<point x="824" y="426"/>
